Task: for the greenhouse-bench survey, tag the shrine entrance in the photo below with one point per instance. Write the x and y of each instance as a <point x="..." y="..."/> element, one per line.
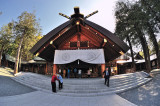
<point x="95" y="70"/>
<point x="85" y="60"/>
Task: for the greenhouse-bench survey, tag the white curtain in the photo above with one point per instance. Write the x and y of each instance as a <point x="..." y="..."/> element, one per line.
<point x="93" y="56"/>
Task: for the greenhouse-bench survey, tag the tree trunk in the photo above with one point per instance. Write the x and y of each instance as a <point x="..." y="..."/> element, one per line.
<point x="20" y="59"/>
<point x="1" y="52"/>
<point x="18" y="53"/>
<point x="146" y="52"/>
<point x="133" y="62"/>
<point x="155" y="43"/>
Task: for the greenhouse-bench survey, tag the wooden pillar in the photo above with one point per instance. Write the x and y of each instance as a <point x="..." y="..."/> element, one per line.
<point x="7" y="64"/>
<point x="102" y="69"/>
<point x="46" y="69"/>
<point x="38" y="69"/>
<point x="54" y="68"/>
<point x="32" y="67"/>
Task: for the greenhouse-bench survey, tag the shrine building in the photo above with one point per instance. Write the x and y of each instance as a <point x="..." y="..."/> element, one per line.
<point x="81" y="44"/>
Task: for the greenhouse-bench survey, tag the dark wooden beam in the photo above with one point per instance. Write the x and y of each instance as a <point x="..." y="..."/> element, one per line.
<point x="97" y="37"/>
<point x="92" y="39"/>
<point x="104" y="42"/>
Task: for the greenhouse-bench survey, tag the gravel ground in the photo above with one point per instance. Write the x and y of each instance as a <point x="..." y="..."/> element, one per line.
<point x="146" y="95"/>
<point x="9" y="87"/>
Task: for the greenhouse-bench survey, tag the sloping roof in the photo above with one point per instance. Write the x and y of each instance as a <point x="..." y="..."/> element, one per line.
<point x="45" y="48"/>
<point x="48" y="36"/>
<point x="123" y="57"/>
<point x="36" y="62"/>
<point x="13" y="59"/>
<point x="38" y="59"/>
<point x="108" y="34"/>
<point x="152" y="57"/>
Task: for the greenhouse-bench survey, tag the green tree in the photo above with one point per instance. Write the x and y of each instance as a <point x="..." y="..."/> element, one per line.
<point x="6" y="34"/>
<point x="152" y="26"/>
<point x="26" y="27"/>
<point x="122" y="27"/>
<point x="134" y="20"/>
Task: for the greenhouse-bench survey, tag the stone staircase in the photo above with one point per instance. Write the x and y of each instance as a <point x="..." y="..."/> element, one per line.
<point x="86" y="87"/>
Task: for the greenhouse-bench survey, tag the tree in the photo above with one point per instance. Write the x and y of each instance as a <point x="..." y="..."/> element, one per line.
<point x="138" y="20"/>
<point x="152" y="10"/>
<point x="6" y="33"/>
<point x="26" y="27"/>
<point x="122" y="27"/>
<point x="133" y="22"/>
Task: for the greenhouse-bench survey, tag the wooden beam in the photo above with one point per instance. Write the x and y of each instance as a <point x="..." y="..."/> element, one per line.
<point x="104" y="42"/>
<point x="52" y="40"/>
<point x="88" y="32"/>
<point x="67" y="40"/>
<point x="54" y="46"/>
<point x="46" y="69"/>
<point x="78" y="40"/>
<point x="97" y="35"/>
<point x="92" y="39"/>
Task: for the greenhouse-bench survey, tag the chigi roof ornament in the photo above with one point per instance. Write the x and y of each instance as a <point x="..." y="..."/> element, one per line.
<point x="77" y="14"/>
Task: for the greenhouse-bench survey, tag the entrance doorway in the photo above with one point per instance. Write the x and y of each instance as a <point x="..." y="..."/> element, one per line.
<point x="80" y="65"/>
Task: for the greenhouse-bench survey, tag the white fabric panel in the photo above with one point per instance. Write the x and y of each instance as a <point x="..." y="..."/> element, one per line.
<point x="93" y="56"/>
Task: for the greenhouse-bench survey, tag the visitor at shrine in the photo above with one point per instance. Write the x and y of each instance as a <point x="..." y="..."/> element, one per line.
<point x="60" y="71"/>
<point x="79" y="73"/>
<point x="107" y="74"/>
<point x="53" y="82"/>
<point x="89" y="73"/>
<point x="60" y="81"/>
<point x="75" y="72"/>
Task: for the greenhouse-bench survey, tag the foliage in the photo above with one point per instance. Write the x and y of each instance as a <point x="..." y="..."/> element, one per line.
<point x="131" y="22"/>
<point x="28" y="26"/>
<point x="6" y="35"/>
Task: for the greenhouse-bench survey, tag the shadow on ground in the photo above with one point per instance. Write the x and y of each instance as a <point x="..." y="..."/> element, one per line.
<point x="146" y="95"/>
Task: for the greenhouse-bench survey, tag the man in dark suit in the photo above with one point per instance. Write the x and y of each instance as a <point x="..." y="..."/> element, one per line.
<point x="107" y="74"/>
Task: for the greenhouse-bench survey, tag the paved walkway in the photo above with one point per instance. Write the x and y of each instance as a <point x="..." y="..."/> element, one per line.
<point x="146" y="95"/>
<point x="9" y="87"/>
<point x="39" y="98"/>
<point x="42" y="98"/>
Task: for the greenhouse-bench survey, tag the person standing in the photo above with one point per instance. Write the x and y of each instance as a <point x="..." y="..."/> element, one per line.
<point x="89" y="73"/>
<point x="60" y="81"/>
<point x="60" y="71"/>
<point x="53" y="82"/>
<point x="107" y="74"/>
<point x="75" y="72"/>
<point x="68" y="73"/>
<point x="79" y="73"/>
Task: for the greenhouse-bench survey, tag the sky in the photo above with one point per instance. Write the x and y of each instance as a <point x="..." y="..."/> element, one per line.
<point x="48" y="11"/>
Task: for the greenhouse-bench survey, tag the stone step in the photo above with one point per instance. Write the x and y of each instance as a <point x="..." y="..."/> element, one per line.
<point x="85" y="87"/>
<point x="104" y="92"/>
<point x="98" y="86"/>
<point x="102" y="82"/>
<point x="71" y="86"/>
<point x="104" y="88"/>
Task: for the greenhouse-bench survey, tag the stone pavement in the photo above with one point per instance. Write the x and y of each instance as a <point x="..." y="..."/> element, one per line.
<point x="146" y="95"/>
<point x="9" y="87"/>
<point x="39" y="98"/>
<point x="44" y="97"/>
